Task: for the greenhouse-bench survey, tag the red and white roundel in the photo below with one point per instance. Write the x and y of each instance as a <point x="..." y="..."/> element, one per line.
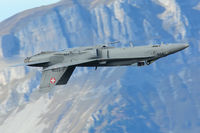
<point x="53" y="80"/>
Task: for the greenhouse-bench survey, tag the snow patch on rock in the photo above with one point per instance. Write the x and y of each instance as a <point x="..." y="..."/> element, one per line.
<point x="27" y="122"/>
<point x="172" y="18"/>
<point x="197" y="7"/>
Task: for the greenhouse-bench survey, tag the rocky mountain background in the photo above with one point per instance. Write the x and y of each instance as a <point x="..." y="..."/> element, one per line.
<point x="161" y="98"/>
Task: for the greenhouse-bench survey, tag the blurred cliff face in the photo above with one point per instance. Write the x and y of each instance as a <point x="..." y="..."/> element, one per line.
<point x="162" y="97"/>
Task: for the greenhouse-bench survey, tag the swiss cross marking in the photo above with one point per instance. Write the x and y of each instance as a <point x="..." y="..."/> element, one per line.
<point x="53" y="80"/>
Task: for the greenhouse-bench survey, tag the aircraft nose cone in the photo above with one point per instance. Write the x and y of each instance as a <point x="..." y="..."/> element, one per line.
<point x="177" y="47"/>
<point x="186" y="45"/>
<point x="183" y="46"/>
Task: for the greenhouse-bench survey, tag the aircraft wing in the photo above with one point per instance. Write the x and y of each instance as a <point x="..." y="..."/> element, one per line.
<point x="57" y="76"/>
<point x="60" y="65"/>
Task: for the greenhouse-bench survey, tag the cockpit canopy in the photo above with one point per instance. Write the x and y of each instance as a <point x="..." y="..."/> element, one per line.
<point x="155" y="45"/>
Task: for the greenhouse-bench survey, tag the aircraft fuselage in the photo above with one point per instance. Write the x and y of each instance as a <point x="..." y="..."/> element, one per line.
<point x="106" y="56"/>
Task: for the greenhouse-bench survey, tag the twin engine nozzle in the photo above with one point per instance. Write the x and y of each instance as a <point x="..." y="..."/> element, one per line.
<point x="27" y="59"/>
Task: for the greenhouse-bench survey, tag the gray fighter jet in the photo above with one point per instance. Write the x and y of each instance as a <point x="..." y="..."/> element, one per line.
<point x="58" y="66"/>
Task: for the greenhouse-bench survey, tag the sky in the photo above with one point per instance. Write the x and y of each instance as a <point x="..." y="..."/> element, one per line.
<point x="9" y="8"/>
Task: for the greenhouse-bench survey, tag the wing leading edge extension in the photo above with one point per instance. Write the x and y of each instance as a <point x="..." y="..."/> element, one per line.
<point x="58" y="76"/>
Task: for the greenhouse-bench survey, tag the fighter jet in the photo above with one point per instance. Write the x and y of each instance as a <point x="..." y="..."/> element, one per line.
<point x="58" y="66"/>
